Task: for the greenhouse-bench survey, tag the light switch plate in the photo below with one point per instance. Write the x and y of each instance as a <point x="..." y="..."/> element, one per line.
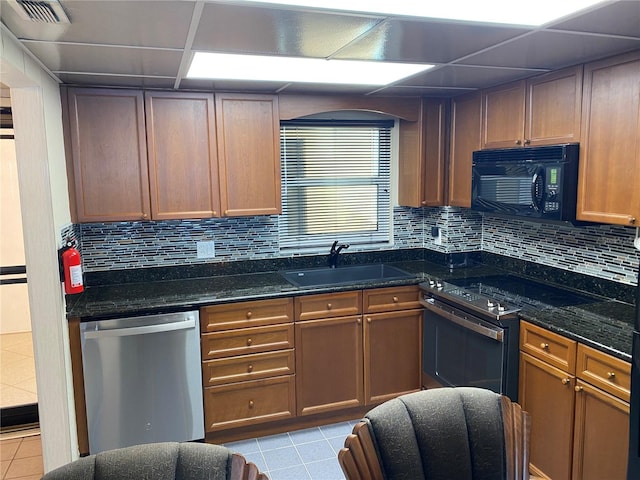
<point x="206" y="249"/>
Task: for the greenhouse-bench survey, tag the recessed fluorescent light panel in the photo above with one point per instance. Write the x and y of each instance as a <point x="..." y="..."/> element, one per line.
<point x="512" y="12"/>
<point x="222" y="66"/>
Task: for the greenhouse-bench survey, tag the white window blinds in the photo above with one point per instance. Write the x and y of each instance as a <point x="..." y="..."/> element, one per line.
<point x="335" y="183"/>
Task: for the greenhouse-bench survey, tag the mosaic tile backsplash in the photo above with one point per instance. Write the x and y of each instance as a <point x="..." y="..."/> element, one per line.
<point x="602" y="251"/>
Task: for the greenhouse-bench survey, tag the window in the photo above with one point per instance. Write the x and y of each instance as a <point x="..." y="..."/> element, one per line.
<point x="336" y="183"/>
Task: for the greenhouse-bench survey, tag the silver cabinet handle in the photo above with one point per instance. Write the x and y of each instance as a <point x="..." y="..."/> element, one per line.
<point x="127" y="332"/>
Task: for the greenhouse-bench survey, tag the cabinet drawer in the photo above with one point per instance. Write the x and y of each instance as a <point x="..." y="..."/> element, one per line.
<point x="328" y="305"/>
<point x="248" y="403"/>
<point x="549" y="347"/>
<point x="248" y="367"/>
<point x="604" y="371"/>
<point x="231" y="343"/>
<point x="246" y="314"/>
<point x="391" y="299"/>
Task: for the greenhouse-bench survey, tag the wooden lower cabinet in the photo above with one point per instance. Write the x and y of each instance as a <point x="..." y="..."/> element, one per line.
<point x="391" y="347"/>
<point x="248" y="403"/>
<point x="579" y="414"/>
<point x="248" y="367"/>
<point x="601" y="435"/>
<point x="546" y="392"/>
<point x="319" y="357"/>
<point x="329" y="364"/>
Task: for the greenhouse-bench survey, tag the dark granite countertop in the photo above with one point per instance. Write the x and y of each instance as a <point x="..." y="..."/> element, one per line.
<point x="605" y="324"/>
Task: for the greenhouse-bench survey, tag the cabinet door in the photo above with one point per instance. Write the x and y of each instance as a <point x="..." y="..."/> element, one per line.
<point x="466" y="133"/>
<point x="601" y="437"/>
<point x="554" y="102"/>
<point x="434" y="137"/>
<point x="329" y="364"/>
<point x="503" y="116"/>
<point x="248" y="140"/>
<point x="392" y="354"/>
<point x="609" y="172"/>
<point x="421" y="162"/>
<point x="109" y="154"/>
<point x="547" y="394"/>
<point x="183" y="168"/>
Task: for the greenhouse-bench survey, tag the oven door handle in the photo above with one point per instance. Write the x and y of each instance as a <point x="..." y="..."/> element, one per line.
<point x="496" y="334"/>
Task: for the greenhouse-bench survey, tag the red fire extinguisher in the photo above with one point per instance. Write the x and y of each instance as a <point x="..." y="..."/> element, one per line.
<point x="72" y="270"/>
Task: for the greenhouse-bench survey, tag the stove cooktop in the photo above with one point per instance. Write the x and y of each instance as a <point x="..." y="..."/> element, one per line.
<point x="500" y="297"/>
<point x="521" y="291"/>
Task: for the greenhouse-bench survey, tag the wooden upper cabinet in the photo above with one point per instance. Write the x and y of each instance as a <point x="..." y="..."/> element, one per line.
<point x="609" y="172"/>
<point x="183" y="167"/>
<point x="108" y="154"/>
<point x="248" y="128"/>
<point x="543" y="110"/>
<point x="503" y="115"/>
<point x="422" y="157"/>
<point x="554" y="103"/>
<point x="466" y="134"/>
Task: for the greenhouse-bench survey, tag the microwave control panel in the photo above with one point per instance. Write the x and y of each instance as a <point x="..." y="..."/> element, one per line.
<point x="552" y="189"/>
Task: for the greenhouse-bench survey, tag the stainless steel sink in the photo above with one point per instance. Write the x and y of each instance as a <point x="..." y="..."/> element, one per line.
<point x="320" y="277"/>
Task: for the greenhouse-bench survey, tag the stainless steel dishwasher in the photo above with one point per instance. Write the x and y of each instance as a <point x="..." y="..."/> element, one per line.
<point x="142" y="380"/>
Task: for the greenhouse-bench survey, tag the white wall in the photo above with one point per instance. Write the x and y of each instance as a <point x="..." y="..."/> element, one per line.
<point x="40" y="155"/>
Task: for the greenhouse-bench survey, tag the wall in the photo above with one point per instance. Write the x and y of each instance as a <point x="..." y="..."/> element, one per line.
<point x="36" y="109"/>
<point x="602" y="251"/>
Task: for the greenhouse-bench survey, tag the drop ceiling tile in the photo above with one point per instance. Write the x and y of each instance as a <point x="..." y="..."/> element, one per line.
<point x="458" y="76"/>
<point x="99" y="59"/>
<point x="247" y="29"/>
<point x="115" y="81"/>
<point x="425" y="41"/>
<point x="617" y="18"/>
<point x="136" y="23"/>
<point x="552" y="50"/>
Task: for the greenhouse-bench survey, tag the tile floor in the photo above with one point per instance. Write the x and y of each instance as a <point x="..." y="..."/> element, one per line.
<point x="310" y="454"/>
<point x="17" y="370"/>
<point x="21" y="458"/>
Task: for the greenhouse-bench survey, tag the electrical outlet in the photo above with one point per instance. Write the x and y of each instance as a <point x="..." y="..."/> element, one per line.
<point x="206" y="249"/>
<point x="436" y="233"/>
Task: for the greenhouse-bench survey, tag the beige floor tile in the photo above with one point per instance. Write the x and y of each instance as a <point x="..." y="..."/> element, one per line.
<point x="22" y="467"/>
<point x="18" y="371"/>
<point x="7" y="358"/>
<point x="30" y="447"/>
<point x="7" y="339"/>
<point x="8" y="448"/>
<point x="31" y="477"/>
<point x="23" y="348"/>
<point x="28" y="385"/>
<point x="4" y="466"/>
<point x="11" y="396"/>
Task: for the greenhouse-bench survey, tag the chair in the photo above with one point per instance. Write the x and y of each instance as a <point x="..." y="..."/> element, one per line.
<point x="445" y="433"/>
<point x="160" y="461"/>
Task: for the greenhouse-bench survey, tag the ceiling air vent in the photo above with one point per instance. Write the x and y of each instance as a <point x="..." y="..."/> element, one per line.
<point x="41" y="11"/>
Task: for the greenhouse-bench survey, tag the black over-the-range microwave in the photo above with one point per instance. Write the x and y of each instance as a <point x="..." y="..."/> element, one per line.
<point x="535" y="182"/>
